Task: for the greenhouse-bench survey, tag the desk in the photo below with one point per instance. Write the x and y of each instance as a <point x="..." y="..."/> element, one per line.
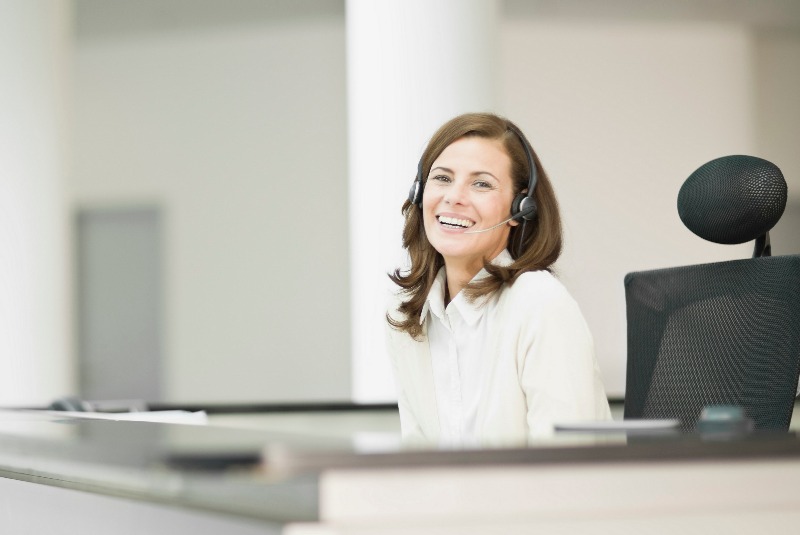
<point x="83" y="476"/>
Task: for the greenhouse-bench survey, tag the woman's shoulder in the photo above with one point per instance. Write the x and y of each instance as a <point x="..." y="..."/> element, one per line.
<point x="541" y="281"/>
<point x="538" y="288"/>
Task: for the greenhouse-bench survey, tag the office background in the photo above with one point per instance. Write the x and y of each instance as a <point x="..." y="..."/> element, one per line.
<point x="200" y="203"/>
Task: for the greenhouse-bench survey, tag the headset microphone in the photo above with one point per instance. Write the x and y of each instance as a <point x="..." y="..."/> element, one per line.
<point x="518" y="215"/>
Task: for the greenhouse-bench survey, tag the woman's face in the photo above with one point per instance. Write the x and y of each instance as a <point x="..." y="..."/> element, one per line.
<point x="469" y="188"/>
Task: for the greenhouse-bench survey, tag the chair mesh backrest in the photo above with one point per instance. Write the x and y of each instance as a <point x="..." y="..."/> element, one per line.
<point x="721" y="333"/>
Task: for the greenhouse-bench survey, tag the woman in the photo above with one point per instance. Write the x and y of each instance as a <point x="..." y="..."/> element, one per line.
<point x="488" y="348"/>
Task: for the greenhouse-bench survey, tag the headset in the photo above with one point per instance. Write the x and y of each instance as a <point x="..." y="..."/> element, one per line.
<point x="524" y="205"/>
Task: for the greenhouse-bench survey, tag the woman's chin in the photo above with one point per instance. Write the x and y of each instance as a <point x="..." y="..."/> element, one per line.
<point x="452" y="252"/>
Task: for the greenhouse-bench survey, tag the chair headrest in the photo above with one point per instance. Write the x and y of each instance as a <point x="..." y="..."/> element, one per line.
<point x="733" y="199"/>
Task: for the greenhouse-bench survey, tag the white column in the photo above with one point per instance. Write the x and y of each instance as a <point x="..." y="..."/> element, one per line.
<point x="35" y="44"/>
<point x="412" y="65"/>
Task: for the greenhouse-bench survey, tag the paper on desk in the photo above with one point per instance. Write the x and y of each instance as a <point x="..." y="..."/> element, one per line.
<point x="172" y="417"/>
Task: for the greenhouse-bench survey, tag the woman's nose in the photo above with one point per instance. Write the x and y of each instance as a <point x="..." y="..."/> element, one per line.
<point x="456" y="193"/>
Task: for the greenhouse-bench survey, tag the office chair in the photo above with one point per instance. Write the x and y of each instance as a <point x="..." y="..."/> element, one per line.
<point x="725" y="332"/>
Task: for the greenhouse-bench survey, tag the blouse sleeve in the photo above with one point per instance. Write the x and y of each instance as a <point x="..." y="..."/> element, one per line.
<point x="559" y="372"/>
<point x="409" y="426"/>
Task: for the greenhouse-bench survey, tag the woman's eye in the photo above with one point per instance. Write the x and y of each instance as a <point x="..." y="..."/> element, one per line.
<point x="441" y="178"/>
<point x="482" y="184"/>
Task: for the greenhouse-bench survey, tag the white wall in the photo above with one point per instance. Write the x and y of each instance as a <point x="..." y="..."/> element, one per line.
<point x="237" y="131"/>
<point x="777" y="119"/>
<point x="777" y="85"/>
<point x="621" y="114"/>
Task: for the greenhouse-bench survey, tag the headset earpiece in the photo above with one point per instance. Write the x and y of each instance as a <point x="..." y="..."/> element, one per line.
<point x="524" y="207"/>
<point x="415" y="193"/>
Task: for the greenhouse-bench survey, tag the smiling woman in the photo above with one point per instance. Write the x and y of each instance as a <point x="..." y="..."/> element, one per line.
<point x="469" y="184"/>
<point x="487" y="346"/>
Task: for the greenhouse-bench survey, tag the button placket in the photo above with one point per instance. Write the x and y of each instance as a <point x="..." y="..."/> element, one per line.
<point x="455" y="377"/>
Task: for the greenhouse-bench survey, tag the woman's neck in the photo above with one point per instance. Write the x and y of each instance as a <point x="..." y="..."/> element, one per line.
<point x="460" y="272"/>
<point x="458" y="276"/>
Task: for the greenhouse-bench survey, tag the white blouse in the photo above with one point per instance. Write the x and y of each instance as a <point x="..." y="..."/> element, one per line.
<point x="500" y="370"/>
<point x="457" y="335"/>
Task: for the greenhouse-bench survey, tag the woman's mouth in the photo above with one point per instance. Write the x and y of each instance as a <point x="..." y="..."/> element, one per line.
<point x="454" y="222"/>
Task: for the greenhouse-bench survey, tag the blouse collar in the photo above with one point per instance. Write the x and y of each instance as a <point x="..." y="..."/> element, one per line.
<point x="470" y="311"/>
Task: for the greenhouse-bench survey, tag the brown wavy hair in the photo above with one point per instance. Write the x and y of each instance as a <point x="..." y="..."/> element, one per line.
<point x="534" y="245"/>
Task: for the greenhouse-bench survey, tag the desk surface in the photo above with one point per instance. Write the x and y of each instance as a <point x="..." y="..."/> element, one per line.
<point x="275" y="476"/>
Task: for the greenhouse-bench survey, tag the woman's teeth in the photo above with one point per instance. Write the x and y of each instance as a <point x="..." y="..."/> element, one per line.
<point x="454" y="222"/>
